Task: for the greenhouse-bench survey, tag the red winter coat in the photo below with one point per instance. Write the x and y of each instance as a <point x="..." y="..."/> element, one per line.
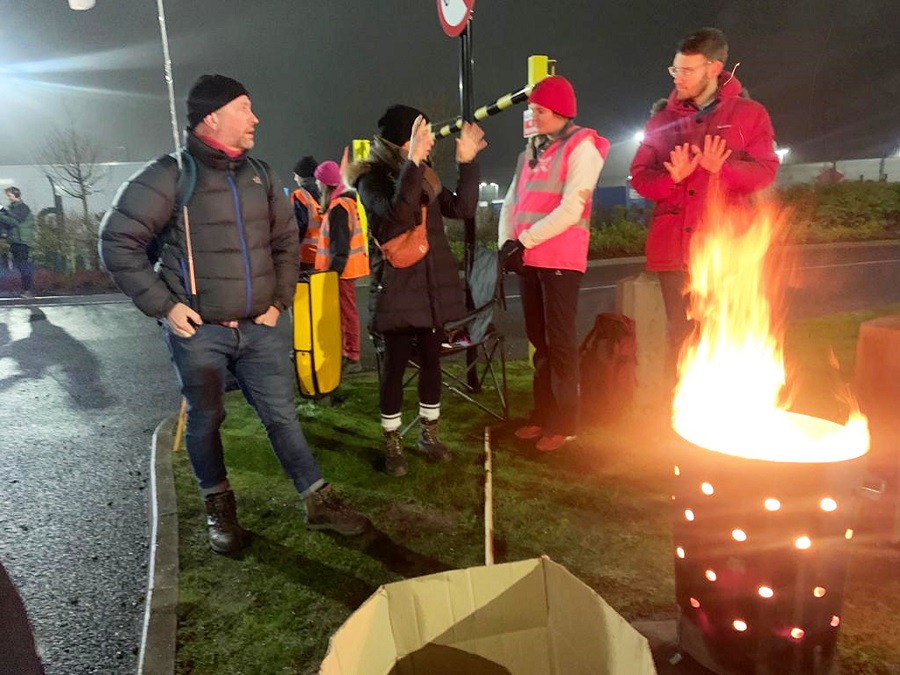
<point x="747" y="130"/>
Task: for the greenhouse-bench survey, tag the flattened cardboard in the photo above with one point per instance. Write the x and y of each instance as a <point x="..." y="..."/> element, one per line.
<point x="531" y="617"/>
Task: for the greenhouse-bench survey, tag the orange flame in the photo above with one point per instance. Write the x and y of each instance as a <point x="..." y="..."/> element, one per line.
<point x="731" y="395"/>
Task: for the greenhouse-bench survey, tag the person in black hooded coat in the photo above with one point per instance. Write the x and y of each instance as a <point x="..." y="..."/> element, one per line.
<point x="410" y="305"/>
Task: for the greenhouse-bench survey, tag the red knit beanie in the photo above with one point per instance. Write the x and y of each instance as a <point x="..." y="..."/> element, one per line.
<point x="555" y="93"/>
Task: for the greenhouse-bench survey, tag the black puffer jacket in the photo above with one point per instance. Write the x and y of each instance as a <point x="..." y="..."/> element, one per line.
<point x="429" y="293"/>
<point x="243" y="236"/>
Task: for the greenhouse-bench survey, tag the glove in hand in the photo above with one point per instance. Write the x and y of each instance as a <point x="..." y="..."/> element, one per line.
<point x="511" y="256"/>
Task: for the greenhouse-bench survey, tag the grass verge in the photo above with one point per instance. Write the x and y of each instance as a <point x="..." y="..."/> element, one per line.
<point x="600" y="507"/>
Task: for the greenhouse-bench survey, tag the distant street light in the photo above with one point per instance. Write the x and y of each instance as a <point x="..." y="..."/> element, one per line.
<point x="782" y="153"/>
<point x="639" y="137"/>
<point x="81" y="5"/>
<point x="488" y="192"/>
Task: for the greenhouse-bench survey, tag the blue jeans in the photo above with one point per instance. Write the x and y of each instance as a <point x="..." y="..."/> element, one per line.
<point x="258" y="357"/>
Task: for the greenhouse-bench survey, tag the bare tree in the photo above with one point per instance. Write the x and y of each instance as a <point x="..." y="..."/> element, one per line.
<point x="72" y="161"/>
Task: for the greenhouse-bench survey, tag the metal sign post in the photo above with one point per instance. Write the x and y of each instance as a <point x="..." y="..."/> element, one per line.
<point x="456" y="20"/>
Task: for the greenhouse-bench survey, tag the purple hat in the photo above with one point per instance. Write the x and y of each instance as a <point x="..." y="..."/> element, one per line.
<point x="329" y="173"/>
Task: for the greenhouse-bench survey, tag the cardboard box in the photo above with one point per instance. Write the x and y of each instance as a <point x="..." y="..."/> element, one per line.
<point x="523" y="618"/>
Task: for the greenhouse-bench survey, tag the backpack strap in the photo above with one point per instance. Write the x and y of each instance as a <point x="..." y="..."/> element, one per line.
<point x="187" y="180"/>
<point x="184" y="190"/>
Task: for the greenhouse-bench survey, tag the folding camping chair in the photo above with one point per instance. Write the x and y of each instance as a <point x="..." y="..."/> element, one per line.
<point x="475" y="331"/>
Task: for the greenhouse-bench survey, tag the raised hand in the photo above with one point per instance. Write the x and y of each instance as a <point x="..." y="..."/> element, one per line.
<point x="682" y="162"/>
<point x="470" y="142"/>
<point x="714" y="153"/>
<point x="420" y="141"/>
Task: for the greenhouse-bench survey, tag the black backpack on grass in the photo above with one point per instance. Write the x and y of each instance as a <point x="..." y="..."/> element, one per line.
<point x="608" y="368"/>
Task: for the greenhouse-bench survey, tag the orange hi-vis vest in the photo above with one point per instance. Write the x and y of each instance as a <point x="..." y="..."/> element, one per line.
<point x="357" y="257"/>
<point x="310" y="238"/>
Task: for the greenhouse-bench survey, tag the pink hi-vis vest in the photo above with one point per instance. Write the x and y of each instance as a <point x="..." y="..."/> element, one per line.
<point x="539" y="191"/>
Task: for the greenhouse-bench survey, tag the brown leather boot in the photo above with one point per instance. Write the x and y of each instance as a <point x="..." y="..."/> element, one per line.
<point x="225" y="533"/>
<point x="394" y="461"/>
<point x="429" y="443"/>
<point x="326" y="511"/>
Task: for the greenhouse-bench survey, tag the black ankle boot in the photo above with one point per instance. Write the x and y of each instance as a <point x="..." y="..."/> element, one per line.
<point x="429" y="443"/>
<point x="394" y="461"/>
<point x="326" y="511"/>
<point x="225" y="533"/>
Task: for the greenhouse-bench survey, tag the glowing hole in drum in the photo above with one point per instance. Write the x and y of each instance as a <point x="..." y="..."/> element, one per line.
<point x="828" y="504"/>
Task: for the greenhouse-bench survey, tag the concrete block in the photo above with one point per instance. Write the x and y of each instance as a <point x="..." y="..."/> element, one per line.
<point x="639" y="297"/>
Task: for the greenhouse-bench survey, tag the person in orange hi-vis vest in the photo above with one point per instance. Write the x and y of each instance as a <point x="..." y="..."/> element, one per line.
<point x="341" y="246"/>
<point x="305" y="201"/>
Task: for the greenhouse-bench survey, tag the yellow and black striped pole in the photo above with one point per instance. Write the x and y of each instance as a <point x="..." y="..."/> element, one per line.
<point x="502" y="103"/>
<point x="539" y="67"/>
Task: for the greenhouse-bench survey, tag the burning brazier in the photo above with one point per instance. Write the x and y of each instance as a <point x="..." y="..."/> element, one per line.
<point x="763" y="497"/>
<point x="761" y="549"/>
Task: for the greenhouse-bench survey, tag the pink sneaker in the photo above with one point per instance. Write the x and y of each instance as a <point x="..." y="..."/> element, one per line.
<point x="529" y="432"/>
<point x="552" y="442"/>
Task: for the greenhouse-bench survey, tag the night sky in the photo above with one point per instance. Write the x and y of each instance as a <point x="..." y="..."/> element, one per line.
<point x="321" y="73"/>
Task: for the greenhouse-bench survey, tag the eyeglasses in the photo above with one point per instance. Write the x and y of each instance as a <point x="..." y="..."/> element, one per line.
<point x="675" y="71"/>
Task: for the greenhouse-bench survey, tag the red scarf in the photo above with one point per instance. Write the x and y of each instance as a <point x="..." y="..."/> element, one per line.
<point x="231" y="152"/>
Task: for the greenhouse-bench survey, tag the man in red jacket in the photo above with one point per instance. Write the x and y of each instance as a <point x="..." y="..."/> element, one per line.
<point x="708" y="135"/>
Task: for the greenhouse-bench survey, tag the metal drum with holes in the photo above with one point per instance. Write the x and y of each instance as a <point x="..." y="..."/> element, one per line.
<point x="761" y="551"/>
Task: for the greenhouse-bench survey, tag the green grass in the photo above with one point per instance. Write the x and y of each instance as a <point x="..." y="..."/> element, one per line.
<point x="600" y="507"/>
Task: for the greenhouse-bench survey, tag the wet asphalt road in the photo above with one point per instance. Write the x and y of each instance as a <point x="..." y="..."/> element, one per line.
<point x="83" y="386"/>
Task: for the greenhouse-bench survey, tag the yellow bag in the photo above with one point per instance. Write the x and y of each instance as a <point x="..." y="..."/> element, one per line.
<point x="317" y="334"/>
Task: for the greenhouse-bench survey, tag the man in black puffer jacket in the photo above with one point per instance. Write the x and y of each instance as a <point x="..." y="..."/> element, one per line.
<point x="227" y="269"/>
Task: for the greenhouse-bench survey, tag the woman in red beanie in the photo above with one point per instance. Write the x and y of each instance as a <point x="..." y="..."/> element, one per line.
<point x="544" y="234"/>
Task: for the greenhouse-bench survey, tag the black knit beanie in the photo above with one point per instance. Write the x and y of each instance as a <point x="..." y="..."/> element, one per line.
<point x="209" y="93"/>
<point x="305" y="166"/>
<point x="396" y="124"/>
